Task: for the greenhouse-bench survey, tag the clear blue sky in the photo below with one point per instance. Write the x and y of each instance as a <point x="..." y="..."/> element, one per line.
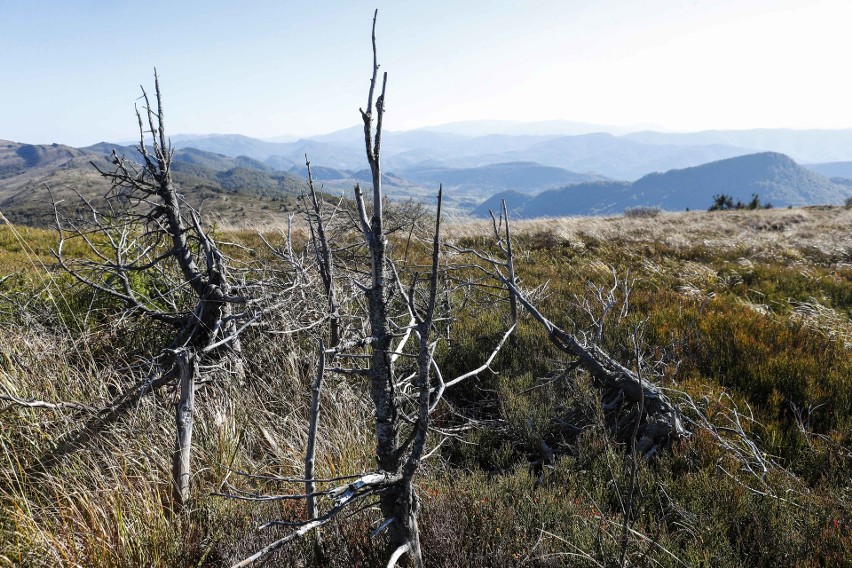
<point x="71" y="70"/>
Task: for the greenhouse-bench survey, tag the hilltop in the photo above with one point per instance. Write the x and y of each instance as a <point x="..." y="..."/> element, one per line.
<point x="748" y="314"/>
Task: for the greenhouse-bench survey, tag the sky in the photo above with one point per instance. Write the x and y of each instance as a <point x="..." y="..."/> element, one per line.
<point x="70" y="71"/>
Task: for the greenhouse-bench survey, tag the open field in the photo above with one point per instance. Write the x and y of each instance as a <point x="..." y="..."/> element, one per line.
<point x="745" y="315"/>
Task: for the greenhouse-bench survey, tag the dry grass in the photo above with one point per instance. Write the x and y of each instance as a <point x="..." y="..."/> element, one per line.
<point x="763" y="234"/>
<point x="755" y="304"/>
<point x="109" y="505"/>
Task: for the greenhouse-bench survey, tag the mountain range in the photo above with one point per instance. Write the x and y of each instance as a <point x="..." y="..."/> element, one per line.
<point x="596" y="154"/>
<point x="602" y="172"/>
<point x="32" y="177"/>
<point x="602" y="150"/>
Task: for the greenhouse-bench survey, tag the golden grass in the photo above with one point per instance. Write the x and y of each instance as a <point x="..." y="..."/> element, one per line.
<point x="763" y="234"/>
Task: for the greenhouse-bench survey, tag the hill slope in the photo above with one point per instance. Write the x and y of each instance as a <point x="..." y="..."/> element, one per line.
<point x="774" y="177"/>
<point x="16" y="158"/>
<point x="621" y="158"/>
<point x="238" y="189"/>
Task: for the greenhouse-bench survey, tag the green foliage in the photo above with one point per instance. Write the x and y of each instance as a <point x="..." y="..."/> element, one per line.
<point x="642" y="211"/>
<point x="722" y="202"/>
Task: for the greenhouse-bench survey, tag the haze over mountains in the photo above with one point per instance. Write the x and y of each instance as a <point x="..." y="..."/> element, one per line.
<point x="600" y="154"/>
<point x="549" y="168"/>
<point x="477" y="143"/>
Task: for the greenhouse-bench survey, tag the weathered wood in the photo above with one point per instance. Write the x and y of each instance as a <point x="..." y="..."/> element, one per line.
<point x="660" y="421"/>
<point x="187" y="364"/>
<point x="207" y="327"/>
<point x="510" y="267"/>
<point x="310" y="452"/>
<point x="325" y="262"/>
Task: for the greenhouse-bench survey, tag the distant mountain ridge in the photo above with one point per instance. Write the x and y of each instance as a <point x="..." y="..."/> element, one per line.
<point x="16" y="158"/>
<point x="557" y="127"/>
<point x="474" y="160"/>
<point x="832" y="169"/>
<point x="776" y="178"/>
<point x="521" y="176"/>
<point x="599" y="151"/>
<point x="221" y="185"/>
<point x="801" y="145"/>
<point x="600" y="155"/>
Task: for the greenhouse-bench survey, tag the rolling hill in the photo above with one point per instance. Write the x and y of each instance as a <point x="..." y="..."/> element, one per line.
<point x="16" y="158"/>
<point x="280" y="155"/>
<point x="225" y="187"/>
<point x="244" y="187"/>
<point x="521" y="176"/>
<point x="774" y="177"/>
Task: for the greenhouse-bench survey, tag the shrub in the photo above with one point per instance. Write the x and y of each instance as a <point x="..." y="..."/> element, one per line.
<point x="642" y="211"/>
<point x="722" y="202"/>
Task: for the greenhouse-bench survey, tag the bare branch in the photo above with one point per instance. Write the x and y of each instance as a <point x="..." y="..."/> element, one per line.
<point x="34" y="403"/>
<point x="487" y="363"/>
<point x="397" y="554"/>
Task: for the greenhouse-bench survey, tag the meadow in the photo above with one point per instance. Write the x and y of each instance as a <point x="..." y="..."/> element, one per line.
<point x="743" y="317"/>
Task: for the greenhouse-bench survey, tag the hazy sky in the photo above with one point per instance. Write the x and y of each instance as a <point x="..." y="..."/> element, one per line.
<point x="70" y="70"/>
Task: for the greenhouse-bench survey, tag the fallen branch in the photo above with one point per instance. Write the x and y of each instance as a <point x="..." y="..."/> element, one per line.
<point x="659" y="421"/>
<point x="35" y="403"/>
<point x="343" y="496"/>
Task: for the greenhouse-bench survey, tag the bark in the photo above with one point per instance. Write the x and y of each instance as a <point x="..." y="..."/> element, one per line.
<point x="510" y="267"/>
<point x="397" y="502"/>
<point x="325" y="262"/>
<point x="184" y="417"/>
<point x="206" y="327"/>
<point x="659" y="421"/>
<point x="310" y="452"/>
<point x="405" y="530"/>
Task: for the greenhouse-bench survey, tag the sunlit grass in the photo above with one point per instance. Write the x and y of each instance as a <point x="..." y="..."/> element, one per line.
<point x="745" y="308"/>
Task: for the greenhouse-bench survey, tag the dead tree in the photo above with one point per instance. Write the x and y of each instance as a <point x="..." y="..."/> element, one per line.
<point x="150" y="234"/>
<point x="310" y="452"/>
<point x="322" y="253"/>
<point x="404" y="396"/>
<point x="505" y="245"/>
<point x="655" y="421"/>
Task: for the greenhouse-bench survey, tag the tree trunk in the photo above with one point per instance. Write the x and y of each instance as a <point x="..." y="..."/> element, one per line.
<point x="188" y="368"/>
<point x="310" y="452"/>
<point x="404" y="529"/>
